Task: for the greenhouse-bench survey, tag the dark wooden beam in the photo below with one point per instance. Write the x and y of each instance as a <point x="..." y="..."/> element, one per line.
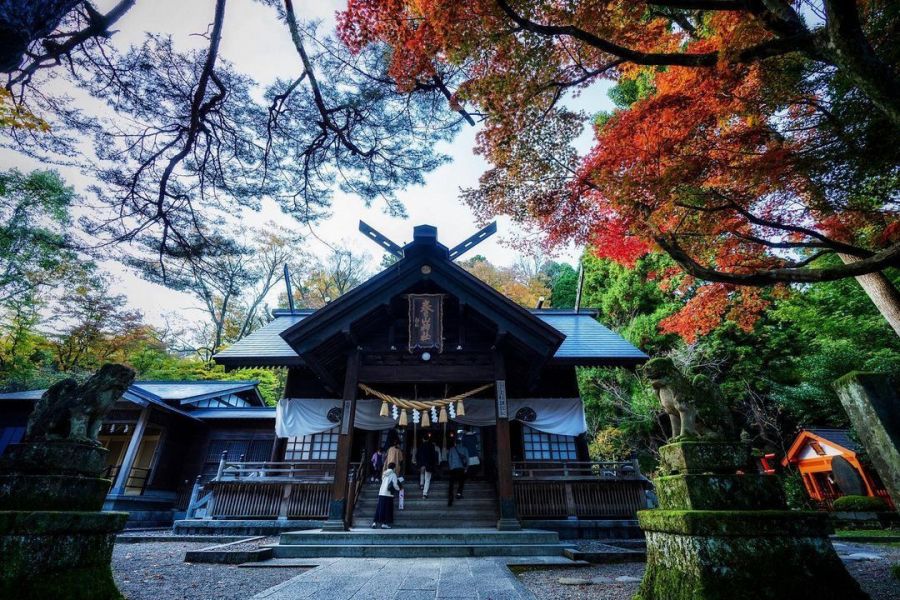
<point x="324" y="375"/>
<point x="385" y="244"/>
<point x="425" y="373"/>
<point x="462" y="324"/>
<point x="509" y="519"/>
<point x="338" y="507"/>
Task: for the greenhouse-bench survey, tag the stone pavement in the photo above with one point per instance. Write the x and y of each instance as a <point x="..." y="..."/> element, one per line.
<point x="403" y="579"/>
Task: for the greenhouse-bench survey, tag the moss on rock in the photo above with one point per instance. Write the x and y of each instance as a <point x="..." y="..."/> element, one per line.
<point x="58" y="554"/>
<point x="715" y="491"/>
<point x="774" y="567"/>
<point x="703" y="457"/>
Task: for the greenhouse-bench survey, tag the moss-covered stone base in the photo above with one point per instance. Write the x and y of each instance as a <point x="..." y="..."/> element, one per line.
<point x="703" y="457"/>
<point x="709" y="491"/>
<point x="741" y="555"/>
<point x="58" y="554"/>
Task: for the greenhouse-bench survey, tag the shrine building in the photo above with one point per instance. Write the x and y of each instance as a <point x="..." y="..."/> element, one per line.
<point x="423" y="349"/>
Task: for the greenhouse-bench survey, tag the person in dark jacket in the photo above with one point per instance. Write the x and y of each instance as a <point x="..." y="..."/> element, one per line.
<point x="427" y="459"/>
<point x="457" y="460"/>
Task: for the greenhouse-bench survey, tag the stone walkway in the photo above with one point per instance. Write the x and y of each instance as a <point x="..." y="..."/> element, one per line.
<point x="403" y="579"/>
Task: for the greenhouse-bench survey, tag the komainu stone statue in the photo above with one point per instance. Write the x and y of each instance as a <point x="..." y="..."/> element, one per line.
<point x="69" y="411"/>
<point x="723" y="530"/>
<point x="54" y="539"/>
<point x="695" y="406"/>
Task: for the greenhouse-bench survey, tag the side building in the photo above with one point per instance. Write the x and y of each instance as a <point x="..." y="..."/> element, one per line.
<point x="161" y="436"/>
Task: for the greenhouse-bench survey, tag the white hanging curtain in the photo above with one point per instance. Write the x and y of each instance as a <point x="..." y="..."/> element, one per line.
<point x="296" y="417"/>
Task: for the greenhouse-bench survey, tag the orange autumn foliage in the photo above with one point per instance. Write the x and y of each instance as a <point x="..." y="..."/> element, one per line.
<point x="719" y="160"/>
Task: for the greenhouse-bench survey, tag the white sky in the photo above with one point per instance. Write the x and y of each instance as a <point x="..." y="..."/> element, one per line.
<point x="259" y="45"/>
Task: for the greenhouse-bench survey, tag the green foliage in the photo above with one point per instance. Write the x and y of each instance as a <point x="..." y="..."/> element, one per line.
<point x="610" y="443"/>
<point x="795" y="493"/>
<point x="157" y="364"/>
<point x="630" y="299"/>
<point x="628" y="91"/>
<point x="836" y="329"/>
<point x="860" y="504"/>
<point x="773" y="378"/>
<point x="562" y="279"/>
<point x="895" y="571"/>
<point x="35" y="249"/>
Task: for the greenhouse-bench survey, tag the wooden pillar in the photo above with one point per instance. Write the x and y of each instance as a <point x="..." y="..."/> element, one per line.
<point x="134" y="444"/>
<point x="338" y="507"/>
<point x="509" y="519"/>
<point x="278" y="450"/>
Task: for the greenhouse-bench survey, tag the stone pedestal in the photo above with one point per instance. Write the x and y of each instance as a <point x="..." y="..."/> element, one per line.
<point x="725" y="534"/>
<point x="54" y="540"/>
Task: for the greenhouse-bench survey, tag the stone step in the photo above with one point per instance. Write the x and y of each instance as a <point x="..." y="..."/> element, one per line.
<point x="433" y="501"/>
<point x="443" y="536"/>
<point x="431" y="519"/>
<point x="416" y="550"/>
<point x="414" y="483"/>
<point x="436" y="524"/>
<point x="432" y="514"/>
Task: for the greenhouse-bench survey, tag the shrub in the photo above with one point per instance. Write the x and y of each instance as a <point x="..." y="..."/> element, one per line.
<point x="895" y="571"/>
<point x="796" y="495"/>
<point x="859" y="504"/>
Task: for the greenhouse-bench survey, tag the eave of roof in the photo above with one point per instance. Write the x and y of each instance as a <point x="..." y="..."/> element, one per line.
<point x="260" y="412"/>
<point x="587" y="342"/>
<point x="265" y="347"/>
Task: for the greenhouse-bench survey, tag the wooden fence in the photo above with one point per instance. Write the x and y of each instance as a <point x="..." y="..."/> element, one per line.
<point x="267" y="490"/>
<point x="264" y="499"/>
<point x="578" y="489"/>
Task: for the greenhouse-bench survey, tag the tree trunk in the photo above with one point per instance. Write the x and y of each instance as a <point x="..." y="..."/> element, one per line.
<point x="881" y="292"/>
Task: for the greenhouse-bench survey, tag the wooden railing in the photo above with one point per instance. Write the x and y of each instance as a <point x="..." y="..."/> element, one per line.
<point x="590" y="470"/>
<point x="266" y="490"/>
<point x="578" y="490"/>
<point x="357" y="480"/>
<point x="272" y="471"/>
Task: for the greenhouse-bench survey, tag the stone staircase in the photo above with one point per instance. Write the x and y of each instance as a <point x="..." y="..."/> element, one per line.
<point x="478" y="509"/>
<point x="418" y="543"/>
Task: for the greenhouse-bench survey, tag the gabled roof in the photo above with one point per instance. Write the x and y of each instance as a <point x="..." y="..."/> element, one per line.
<point x="838" y="439"/>
<point x="587" y="342"/>
<point x="165" y="395"/>
<point x="29" y="395"/>
<point x="424" y="259"/>
<point x="190" y="392"/>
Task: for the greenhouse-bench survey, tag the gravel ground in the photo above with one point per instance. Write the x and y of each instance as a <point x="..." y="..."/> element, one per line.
<point x="873" y="575"/>
<point x="157" y="571"/>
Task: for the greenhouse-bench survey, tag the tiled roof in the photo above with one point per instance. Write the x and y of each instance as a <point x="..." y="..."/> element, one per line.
<point x="587" y="341"/>
<point x="159" y="392"/>
<point x="841" y="437"/>
<point x="265" y="343"/>
<point x="586" y="338"/>
<point x="33" y="395"/>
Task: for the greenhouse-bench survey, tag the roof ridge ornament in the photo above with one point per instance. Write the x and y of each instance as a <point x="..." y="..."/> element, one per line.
<point x="427" y="231"/>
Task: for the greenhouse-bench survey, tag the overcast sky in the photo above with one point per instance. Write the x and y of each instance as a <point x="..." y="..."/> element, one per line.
<point x="259" y="45"/>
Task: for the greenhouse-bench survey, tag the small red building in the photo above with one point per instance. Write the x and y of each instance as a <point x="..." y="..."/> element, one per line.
<point x="812" y="453"/>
